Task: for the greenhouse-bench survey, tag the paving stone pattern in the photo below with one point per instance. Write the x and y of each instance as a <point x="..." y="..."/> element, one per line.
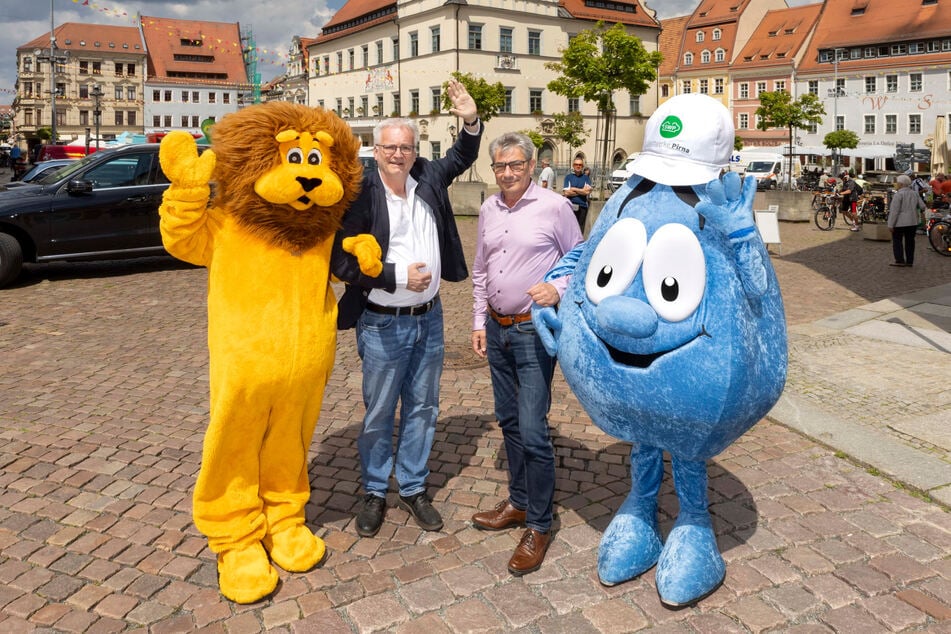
<point x="103" y="403"/>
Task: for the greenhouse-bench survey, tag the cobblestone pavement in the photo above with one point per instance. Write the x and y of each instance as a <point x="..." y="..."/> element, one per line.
<point x="103" y="403"/>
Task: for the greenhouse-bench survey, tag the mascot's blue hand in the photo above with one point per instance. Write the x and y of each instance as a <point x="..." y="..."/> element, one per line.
<point x="548" y="327"/>
<point x="731" y="205"/>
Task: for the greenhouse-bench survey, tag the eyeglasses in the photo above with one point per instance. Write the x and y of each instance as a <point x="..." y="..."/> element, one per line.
<point x="390" y="150"/>
<point x="515" y="166"/>
<point x="578" y="165"/>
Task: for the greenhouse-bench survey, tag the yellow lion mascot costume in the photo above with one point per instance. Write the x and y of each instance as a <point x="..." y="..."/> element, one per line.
<point x="284" y="174"/>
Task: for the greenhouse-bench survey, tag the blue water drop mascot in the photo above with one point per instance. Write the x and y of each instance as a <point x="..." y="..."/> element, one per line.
<point x="672" y="335"/>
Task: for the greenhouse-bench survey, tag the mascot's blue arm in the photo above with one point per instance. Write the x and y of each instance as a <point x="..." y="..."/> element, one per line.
<point x="547" y="323"/>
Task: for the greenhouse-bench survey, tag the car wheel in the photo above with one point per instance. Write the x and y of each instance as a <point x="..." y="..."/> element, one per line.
<point x="11" y="259"/>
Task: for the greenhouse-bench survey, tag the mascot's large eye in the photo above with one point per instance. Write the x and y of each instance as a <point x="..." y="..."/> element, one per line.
<point x="675" y="272"/>
<point x="295" y="156"/>
<point x="616" y="260"/>
<point x="314" y="157"/>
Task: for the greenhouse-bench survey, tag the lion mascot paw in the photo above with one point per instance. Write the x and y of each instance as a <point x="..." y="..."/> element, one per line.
<point x="283" y="175"/>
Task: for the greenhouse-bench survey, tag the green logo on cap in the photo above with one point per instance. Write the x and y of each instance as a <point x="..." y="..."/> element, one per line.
<point x="671" y="127"/>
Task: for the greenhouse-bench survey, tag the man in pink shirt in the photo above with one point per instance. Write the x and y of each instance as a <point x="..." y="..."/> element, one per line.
<point x="524" y="230"/>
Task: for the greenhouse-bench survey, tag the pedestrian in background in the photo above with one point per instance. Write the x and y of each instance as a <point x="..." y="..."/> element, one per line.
<point x="903" y="216"/>
<point x="577" y="188"/>
<point x="546" y="179"/>
<point x="523" y="232"/>
<point x="404" y="203"/>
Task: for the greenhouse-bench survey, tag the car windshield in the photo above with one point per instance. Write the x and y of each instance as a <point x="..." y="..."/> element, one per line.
<point x="760" y="166"/>
<point x="57" y="175"/>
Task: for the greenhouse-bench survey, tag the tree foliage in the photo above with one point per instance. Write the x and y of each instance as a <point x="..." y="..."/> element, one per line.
<point x="569" y="127"/>
<point x="841" y="139"/>
<point x="537" y="139"/>
<point x="44" y="133"/>
<point x="778" y="110"/>
<point x="489" y="98"/>
<point x="601" y="60"/>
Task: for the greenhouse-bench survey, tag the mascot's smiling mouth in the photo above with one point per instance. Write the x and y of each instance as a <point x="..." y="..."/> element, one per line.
<point x="644" y="360"/>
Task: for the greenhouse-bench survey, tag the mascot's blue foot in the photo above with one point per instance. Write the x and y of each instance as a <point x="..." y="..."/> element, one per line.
<point x="629" y="547"/>
<point x="631" y="544"/>
<point x="690" y="566"/>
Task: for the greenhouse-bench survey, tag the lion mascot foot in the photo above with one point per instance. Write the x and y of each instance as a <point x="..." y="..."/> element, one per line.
<point x="245" y="575"/>
<point x="295" y="549"/>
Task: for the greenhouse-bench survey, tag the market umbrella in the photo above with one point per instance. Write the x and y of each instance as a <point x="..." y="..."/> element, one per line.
<point x="939" y="146"/>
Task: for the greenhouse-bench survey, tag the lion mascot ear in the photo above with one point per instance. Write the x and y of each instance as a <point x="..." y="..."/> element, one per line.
<point x="283" y="174"/>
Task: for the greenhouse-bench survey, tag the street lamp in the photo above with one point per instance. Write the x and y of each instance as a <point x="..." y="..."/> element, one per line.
<point x="54" y="56"/>
<point x="96" y="93"/>
<point x="835" y="103"/>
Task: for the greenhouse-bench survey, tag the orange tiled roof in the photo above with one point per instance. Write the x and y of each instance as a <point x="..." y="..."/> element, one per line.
<point x="671" y="38"/>
<point x="710" y="12"/>
<point x="220" y="40"/>
<point x="845" y="23"/>
<point x="778" y="38"/>
<point x="639" y="17"/>
<point x="75" y="36"/>
<point x="351" y="10"/>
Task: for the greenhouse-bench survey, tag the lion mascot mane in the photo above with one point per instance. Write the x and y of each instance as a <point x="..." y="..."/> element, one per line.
<point x="284" y="174"/>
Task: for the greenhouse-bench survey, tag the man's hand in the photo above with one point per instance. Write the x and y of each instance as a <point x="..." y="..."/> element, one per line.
<point x="478" y="342"/>
<point x="544" y="294"/>
<point x="463" y="105"/>
<point x="418" y="277"/>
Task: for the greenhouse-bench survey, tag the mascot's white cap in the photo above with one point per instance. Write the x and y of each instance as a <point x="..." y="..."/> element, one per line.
<point x="687" y="141"/>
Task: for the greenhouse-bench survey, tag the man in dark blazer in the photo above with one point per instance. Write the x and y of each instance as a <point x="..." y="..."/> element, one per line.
<point x="405" y="205"/>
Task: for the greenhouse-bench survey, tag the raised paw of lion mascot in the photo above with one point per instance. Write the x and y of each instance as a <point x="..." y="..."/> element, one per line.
<point x="284" y="174"/>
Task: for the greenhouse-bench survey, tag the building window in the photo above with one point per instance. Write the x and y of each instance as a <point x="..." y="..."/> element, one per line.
<point x="760" y="88"/>
<point x="119" y="118"/>
<point x="350" y="59"/>
<point x="869" y="124"/>
<point x="184" y="96"/>
<point x="840" y="87"/>
<point x="434" y="37"/>
<point x="534" y="42"/>
<point x="665" y="90"/>
<point x="414" y="101"/>
<point x="914" y="124"/>
<point x="396" y="49"/>
<point x="814" y="87"/>
<point x="635" y="105"/>
<point x="891" y="124"/>
<point x="700" y="36"/>
<point x="83" y="68"/>
<point x="718" y="86"/>
<point x="685" y="87"/>
<point x="379" y="52"/>
<point x="83" y="117"/>
<point x="413" y="44"/>
<point x="397" y="103"/>
<point x="437" y="100"/>
<point x="744" y="91"/>
<point x="118" y="91"/>
<point x="168" y="120"/>
<point x="704" y="87"/>
<point x="339" y="61"/>
<point x="195" y="96"/>
<point x="475" y="37"/>
<point x="914" y="82"/>
<point x="28" y="64"/>
<point x="812" y="128"/>
<point x="212" y="97"/>
<point x="184" y="120"/>
<point x="130" y="118"/>
<point x="195" y="122"/>
<point x="130" y="70"/>
<point x="720" y="55"/>
<point x="743" y="122"/>
<point x="167" y="96"/>
<point x="156" y="121"/>
<point x="507" y="106"/>
<point x="535" y="100"/>
<point x="226" y="97"/>
<point x="436" y="150"/>
<point x="366" y="56"/>
<point x="717" y="34"/>
<point x="505" y="39"/>
<point x="326" y="64"/>
<point x="840" y="122"/>
<point x="779" y="85"/>
<point x="871" y="86"/>
<point x="688" y="59"/>
<point x="339" y="109"/>
<point x="119" y="67"/>
<point x="364" y="105"/>
<point x="83" y="90"/>
<point x="574" y="104"/>
<point x="130" y="93"/>
<point x="97" y="68"/>
<point x="28" y="117"/>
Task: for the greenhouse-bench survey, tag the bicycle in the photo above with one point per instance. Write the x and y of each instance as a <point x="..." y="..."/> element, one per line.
<point x="871" y="208"/>
<point x="826" y="214"/>
<point x="939" y="233"/>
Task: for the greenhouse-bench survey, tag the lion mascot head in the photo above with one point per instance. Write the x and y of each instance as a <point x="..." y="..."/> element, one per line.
<point x="287" y="172"/>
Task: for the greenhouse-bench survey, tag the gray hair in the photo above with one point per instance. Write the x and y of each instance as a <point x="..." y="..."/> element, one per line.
<point x="904" y="180"/>
<point x="512" y="140"/>
<point x="395" y="123"/>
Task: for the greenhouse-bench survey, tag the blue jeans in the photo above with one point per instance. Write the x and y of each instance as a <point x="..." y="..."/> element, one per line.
<point x="402" y="360"/>
<point x="521" y="372"/>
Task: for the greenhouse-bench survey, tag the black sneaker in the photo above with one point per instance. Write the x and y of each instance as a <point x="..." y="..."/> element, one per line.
<point x="370" y="517"/>
<point x="422" y="511"/>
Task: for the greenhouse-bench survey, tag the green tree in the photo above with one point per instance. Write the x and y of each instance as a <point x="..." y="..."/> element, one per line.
<point x="599" y="61"/>
<point x="45" y="133"/>
<point x="778" y="110"/>
<point x="569" y="127"/>
<point x="537" y="139"/>
<point x="490" y="98"/>
<point x="737" y="143"/>
<point x="837" y="140"/>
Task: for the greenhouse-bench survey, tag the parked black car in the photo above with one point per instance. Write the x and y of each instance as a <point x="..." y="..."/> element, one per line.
<point x="104" y="206"/>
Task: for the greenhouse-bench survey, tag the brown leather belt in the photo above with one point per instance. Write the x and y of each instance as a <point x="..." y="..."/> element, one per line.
<point x="413" y="311"/>
<point x="509" y="320"/>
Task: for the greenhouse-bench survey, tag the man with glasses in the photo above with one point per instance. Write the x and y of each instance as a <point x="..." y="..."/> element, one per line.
<point x="577" y="187"/>
<point x="524" y="230"/>
<point x="405" y="205"/>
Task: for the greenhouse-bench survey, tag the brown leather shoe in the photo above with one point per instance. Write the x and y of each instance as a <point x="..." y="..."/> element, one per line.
<point x="530" y="552"/>
<point x="502" y="516"/>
